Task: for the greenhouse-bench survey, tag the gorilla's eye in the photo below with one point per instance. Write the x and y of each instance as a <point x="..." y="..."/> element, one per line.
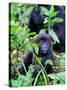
<point x="42" y="41"/>
<point x="43" y="38"/>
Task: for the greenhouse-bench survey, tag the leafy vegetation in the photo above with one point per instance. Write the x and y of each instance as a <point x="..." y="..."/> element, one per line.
<point x="21" y="41"/>
<point x="50" y="20"/>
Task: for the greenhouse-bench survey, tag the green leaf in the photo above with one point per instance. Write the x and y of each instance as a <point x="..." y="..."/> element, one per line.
<point x="14" y="83"/>
<point x="61" y="76"/>
<point x="28" y="79"/>
<point x="49" y="62"/>
<point x="54" y="14"/>
<point x="52" y="9"/>
<point x="62" y="60"/>
<point x="32" y="33"/>
<point x="54" y="36"/>
<point x="58" y="77"/>
<point x="21" y="80"/>
<point x="46" y="20"/>
<point x="13" y="28"/>
<point x="42" y="30"/>
<point x="27" y="12"/>
<point x="50" y="13"/>
<point x="57" y="20"/>
<point x="36" y="47"/>
<point x="13" y="60"/>
<point x="45" y="10"/>
<point x="28" y="47"/>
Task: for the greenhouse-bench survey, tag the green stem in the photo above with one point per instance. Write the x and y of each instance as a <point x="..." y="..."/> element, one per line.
<point x="44" y="77"/>
<point x="37" y="77"/>
<point x="49" y="27"/>
<point x="39" y="62"/>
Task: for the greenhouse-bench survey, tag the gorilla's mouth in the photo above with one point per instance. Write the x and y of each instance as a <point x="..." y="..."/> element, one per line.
<point x="44" y="52"/>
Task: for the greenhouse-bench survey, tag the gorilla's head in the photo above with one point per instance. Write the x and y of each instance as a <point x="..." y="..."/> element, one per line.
<point x="37" y="15"/>
<point x="45" y="44"/>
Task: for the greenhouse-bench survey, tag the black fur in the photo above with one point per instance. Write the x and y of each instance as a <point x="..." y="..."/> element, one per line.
<point x="45" y="52"/>
<point x="26" y="61"/>
<point x="59" y="29"/>
<point x="36" y="19"/>
<point x="45" y="47"/>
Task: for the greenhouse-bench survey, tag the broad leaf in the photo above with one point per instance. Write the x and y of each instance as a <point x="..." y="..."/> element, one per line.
<point x="45" y="10"/>
<point x="57" y="20"/>
<point x="49" y="62"/>
<point x="52" y="9"/>
<point x="54" y="14"/>
<point x="54" y="36"/>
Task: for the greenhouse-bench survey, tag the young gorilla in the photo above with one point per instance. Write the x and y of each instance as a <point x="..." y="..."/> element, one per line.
<point x="36" y="23"/>
<point x="36" y="19"/>
<point x="45" y="46"/>
<point x="45" y="52"/>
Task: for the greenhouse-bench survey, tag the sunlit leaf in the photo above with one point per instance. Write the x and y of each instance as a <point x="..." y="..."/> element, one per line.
<point x="54" y="36"/>
<point x="57" y="20"/>
<point x="45" y="10"/>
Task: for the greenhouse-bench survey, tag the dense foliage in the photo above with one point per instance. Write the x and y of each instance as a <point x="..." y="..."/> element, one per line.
<point x="20" y="43"/>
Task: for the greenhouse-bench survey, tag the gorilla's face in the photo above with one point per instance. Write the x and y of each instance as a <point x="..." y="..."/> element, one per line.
<point x="45" y="44"/>
<point x="37" y="16"/>
<point x="44" y="47"/>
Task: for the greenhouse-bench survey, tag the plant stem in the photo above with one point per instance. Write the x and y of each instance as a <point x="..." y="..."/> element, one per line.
<point x="39" y="62"/>
<point x="37" y="77"/>
<point x="49" y="27"/>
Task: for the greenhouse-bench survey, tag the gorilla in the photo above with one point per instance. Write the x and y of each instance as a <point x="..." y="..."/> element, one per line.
<point x="59" y="29"/>
<point x="45" y="52"/>
<point x="36" y="19"/>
